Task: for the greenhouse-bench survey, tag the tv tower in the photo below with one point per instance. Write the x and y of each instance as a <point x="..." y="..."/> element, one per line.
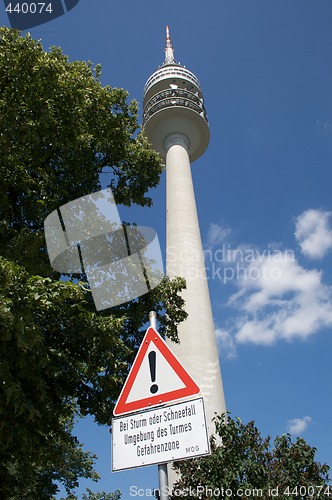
<point x="176" y="124"/>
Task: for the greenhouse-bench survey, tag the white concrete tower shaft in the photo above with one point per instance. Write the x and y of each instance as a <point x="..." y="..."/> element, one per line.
<point x="176" y="124"/>
<point x="184" y="257"/>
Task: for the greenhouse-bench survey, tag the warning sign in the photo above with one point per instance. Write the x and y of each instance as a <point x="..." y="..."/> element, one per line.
<point x="156" y="377"/>
<point x="174" y="432"/>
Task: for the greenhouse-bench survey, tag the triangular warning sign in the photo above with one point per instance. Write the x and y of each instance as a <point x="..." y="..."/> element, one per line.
<point x="156" y="377"/>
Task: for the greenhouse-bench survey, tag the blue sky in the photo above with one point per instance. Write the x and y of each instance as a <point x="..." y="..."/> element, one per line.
<point x="263" y="191"/>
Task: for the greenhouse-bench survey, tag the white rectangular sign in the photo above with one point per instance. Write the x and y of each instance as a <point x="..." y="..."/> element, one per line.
<point x="166" y="434"/>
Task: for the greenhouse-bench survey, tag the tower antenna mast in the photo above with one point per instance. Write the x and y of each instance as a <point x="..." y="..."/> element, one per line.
<point x="169" y="49"/>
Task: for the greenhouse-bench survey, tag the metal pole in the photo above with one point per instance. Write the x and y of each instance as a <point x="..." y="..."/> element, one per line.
<point x="163" y="481"/>
<point x="162" y="468"/>
<point x="153" y="319"/>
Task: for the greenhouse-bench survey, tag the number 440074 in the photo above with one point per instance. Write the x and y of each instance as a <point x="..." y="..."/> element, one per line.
<point x="29" y="8"/>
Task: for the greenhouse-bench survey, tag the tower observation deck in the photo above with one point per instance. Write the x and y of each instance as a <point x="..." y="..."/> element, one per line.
<point x="175" y="123"/>
<point x="173" y="101"/>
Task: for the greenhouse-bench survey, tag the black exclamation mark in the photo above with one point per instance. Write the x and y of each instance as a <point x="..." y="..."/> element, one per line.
<point x="152" y="362"/>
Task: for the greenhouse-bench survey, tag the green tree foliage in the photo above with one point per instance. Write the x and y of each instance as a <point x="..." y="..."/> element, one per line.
<point x="90" y="495"/>
<point x="60" y="128"/>
<point x="101" y="496"/>
<point x="246" y="464"/>
<point x="59" y="359"/>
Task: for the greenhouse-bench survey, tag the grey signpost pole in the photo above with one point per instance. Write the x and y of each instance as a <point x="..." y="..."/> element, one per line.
<point x="162" y="468"/>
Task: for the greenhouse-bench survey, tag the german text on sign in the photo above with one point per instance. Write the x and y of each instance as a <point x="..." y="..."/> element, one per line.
<point x="166" y="434"/>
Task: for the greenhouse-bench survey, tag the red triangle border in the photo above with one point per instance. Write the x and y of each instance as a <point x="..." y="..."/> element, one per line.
<point x="190" y="389"/>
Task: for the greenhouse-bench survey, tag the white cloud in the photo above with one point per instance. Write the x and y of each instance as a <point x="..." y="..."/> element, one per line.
<point x="314" y="233"/>
<point x="217" y="235"/>
<point x="277" y="298"/>
<point x="226" y="344"/>
<point x="297" y="426"/>
<point x="325" y="126"/>
<point x="280" y="300"/>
